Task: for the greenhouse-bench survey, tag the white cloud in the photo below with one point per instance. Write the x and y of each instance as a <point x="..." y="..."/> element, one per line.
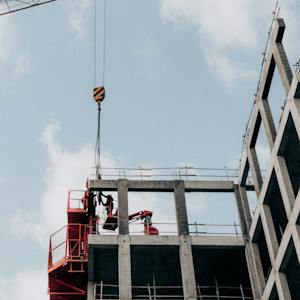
<point x="263" y="155"/>
<point x="146" y="46"/>
<point x="228" y="70"/>
<point x="78" y="16"/>
<point x="25" y="285"/>
<point x="23" y="64"/>
<point x="7" y="42"/>
<point x="224" y="24"/>
<point x="66" y="170"/>
<point x="229" y="31"/>
<point x="69" y="169"/>
<point x="14" y="60"/>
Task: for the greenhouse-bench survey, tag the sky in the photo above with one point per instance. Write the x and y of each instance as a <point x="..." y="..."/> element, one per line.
<point x="180" y="76"/>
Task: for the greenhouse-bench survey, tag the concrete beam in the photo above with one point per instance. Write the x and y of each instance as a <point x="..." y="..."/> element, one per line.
<point x="96" y="240"/>
<point x="222" y="186"/>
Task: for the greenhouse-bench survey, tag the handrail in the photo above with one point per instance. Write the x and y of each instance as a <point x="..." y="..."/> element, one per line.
<point x="111" y="291"/>
<point x="67" y="247"/>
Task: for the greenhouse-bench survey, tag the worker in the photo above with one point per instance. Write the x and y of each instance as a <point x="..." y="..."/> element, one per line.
<point x="109" y="204"/>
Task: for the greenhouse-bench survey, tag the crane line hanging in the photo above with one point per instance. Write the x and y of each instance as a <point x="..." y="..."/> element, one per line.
<point x="99" y="92"/>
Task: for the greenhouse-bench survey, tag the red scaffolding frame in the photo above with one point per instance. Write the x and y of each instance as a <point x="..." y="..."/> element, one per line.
<point x="68" y="251"/>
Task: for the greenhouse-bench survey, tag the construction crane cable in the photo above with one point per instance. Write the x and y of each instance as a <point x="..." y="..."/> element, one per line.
<point x="104" y="42"/>
<point x="98" y="137"/>
<point x="98" y="143"/>
<point x="95" y="42"/>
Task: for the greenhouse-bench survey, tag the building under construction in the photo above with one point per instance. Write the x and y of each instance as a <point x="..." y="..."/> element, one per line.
<point x="96" y="257"/>
<point x="261" y="261"/>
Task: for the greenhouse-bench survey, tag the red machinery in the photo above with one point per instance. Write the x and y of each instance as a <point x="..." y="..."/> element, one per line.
<point x="68" y="257"/>
<point x="111" y="222"/>
<point x="146" y="216"/>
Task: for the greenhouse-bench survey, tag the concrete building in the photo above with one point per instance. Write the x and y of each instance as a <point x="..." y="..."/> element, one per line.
<point x="179" y="266"/>
<point x="260" y="261"/>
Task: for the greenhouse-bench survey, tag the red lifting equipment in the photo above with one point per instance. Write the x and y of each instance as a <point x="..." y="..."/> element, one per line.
<point x="68" y="251"/>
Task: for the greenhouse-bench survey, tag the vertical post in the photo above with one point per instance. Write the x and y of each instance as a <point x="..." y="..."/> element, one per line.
<point x="180" y="204"/>
<point x="101" y="290"/>
<point x="217" y="289"/>
<point x="90" y="291"/>
<point x="242" y="292"/>
<point x="187" y="268"/>
<point x="199" y="291"/>
<point x="122" y="206"/>
<point x="154" y="287"/>
<point x="124" y="263"/>
<point x="149" y="291"/>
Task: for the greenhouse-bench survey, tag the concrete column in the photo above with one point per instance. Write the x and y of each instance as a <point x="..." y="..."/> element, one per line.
<point x="255" y="170"/>
<point x="256" y="289"/>
<point x="180" y="205"/>
<point x="238" y="199"/>
<point x="283" y="287"/>
<point x="124" y="263"/>
<point x="269" y="231"/>
<point x="258" y="266"/>
<point x="246" y="208"/>
<point x="268" y="122"/>
<point x="123" y="206"/>
<point x="285" y="185"/>
<point x="90" y="290"/>
<point x="187" y="268"/>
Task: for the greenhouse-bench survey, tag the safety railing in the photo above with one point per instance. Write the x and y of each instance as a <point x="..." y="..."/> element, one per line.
<point x="164" y="228"/>
<point x="155" y="292"/>
<point x="76" y="199"/>
<point x="105" y="291"/>
<point x="172" y="173"/>
<point x="198" y="229"/>
<point x="68" y="243"/>
<point x="167" y="228"/>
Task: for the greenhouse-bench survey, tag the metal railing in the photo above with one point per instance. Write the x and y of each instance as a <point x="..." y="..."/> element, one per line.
<point x="76" y="199"/>
<point x="170" y="228"/>
<point x="69" y="242"/>
<point x="198" y="229"/>
<point x="172" y="173"/>
<point x="155" y="292"/>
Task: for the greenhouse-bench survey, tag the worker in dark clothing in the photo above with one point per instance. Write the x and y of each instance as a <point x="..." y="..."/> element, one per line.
<point x="109" y="204"/>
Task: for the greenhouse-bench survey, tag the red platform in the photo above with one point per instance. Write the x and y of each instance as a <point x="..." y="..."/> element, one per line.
<point x="68" y="253"/>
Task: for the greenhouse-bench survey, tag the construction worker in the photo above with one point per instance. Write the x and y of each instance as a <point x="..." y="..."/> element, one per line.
<point x="109" y="204"/>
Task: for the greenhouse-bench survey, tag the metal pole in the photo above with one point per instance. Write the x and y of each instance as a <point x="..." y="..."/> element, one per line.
<point x="154" y="287"/>
<point x="95" y="290"/>
<point x="236" y="232"/>
<point x="101" y="290"/>
<point x="149" y="291"/>
<point x="217" y="289"/>
<point x="242" y="292"/>
<point x="199" y="291"/>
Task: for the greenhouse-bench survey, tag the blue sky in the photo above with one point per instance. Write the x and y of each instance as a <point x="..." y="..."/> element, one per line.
<point x="180" y="78"/>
